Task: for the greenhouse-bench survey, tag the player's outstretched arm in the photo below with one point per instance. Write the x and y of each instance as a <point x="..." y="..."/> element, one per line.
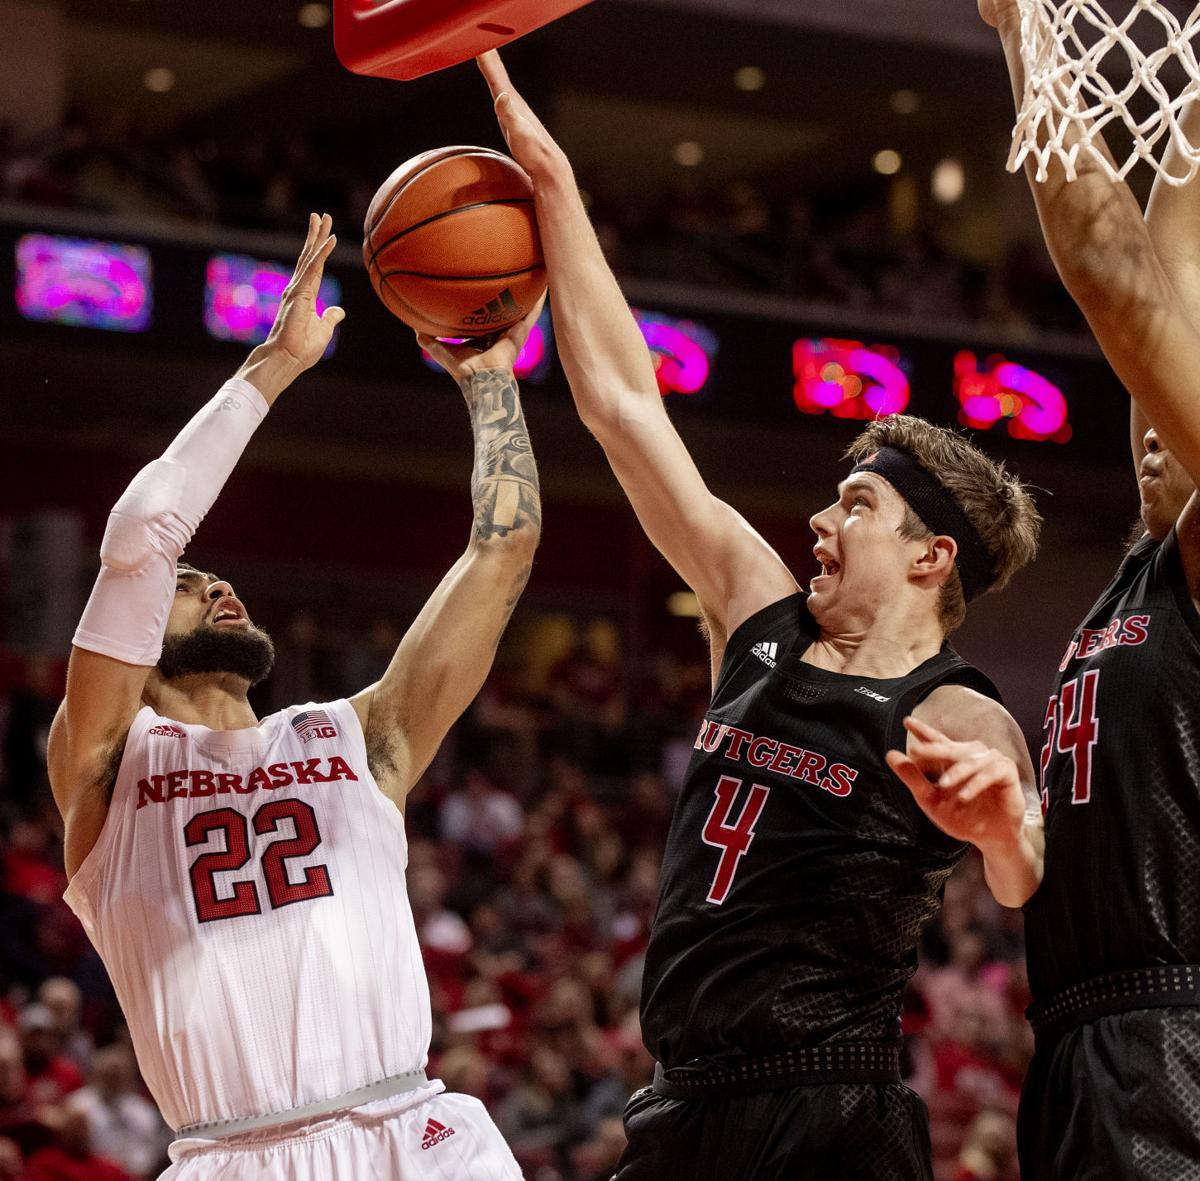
<point x="967" y="767"/>
<point x="1173" y="221"/>
<point x="446" y="654"/>
<point x="729" y="566"/>
<point x="120" y="636"/>
<point x="1108" y="261"/>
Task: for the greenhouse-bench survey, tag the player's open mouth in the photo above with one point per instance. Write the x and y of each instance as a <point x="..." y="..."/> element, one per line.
<point x="229" y="615"/>
<point x="828" y="566"/>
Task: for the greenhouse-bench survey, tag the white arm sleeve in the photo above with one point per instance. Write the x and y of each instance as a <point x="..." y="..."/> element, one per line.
<point x="155" y="518"/>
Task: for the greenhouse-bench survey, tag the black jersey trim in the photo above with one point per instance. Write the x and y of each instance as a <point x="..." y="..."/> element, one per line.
<point x="1176" y="578"/>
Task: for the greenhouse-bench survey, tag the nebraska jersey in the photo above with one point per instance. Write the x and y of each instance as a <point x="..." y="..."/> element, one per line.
<point x="1120" y="769"/>
<point x="247" y="895"/>
<point x="799" y="871"/>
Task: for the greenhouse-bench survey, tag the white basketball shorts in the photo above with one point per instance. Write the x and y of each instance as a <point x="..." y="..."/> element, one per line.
<point x="411" y="1137"/>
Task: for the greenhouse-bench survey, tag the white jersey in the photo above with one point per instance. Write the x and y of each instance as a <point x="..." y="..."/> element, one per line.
<point x="247" y="895"/>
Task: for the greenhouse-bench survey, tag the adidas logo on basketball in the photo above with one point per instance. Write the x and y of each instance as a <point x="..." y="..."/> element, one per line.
<point x="500" y="310"/>
<point x="766" y="651"/>
<point x="435" y="1133"/>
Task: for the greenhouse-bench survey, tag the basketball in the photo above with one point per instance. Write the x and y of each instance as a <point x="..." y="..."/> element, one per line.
<point x="451" y="243"/>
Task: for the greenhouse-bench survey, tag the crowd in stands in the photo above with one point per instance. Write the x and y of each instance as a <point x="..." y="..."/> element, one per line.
<point x="535" y="841"/>
<point x="841" y="250"/>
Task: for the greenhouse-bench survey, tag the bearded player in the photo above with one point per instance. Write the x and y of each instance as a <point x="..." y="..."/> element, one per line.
<point x="799" y="870"/>
<point x="1113" y="934"/>
<point x="243" y="881"/>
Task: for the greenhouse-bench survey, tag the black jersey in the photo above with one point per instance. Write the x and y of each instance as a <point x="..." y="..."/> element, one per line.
<point x="799" y="871"/>
<point x="1120" y="772"/>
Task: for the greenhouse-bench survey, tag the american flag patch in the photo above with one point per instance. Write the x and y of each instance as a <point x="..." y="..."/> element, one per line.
<point x="314" y="723"/>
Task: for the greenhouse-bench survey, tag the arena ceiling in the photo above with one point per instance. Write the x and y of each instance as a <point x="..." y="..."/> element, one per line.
<point x="622" y="82"/>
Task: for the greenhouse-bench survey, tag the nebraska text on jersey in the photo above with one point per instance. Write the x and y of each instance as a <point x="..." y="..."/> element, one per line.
<point x="781" y="757"/>
<point x="176" y="784"/>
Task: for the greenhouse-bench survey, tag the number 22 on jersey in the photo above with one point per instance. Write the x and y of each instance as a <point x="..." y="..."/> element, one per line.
<point x="281" y="890"/>
<point x="732" y="839"/>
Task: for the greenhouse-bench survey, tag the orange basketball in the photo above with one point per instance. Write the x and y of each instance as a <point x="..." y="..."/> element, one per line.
<point x="451" y="243"/>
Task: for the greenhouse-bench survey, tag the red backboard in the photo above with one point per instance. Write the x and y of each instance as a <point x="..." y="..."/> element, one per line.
<point x="407" y="38"/>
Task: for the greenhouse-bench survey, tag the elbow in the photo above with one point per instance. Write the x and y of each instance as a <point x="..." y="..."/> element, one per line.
<point x="1108" y="264"/>
<point x="514" y="546"/>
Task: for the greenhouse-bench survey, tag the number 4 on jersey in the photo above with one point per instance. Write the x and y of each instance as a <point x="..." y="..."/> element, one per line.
<point x="732" y="839"/>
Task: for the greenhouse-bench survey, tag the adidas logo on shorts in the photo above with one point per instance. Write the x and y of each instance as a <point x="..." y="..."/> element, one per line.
<point x="435" y="1133"/>
<point x="766" y="652"/>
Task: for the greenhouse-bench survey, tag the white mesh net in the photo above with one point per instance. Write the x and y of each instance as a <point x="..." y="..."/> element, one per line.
<point x="1090" y="66"/>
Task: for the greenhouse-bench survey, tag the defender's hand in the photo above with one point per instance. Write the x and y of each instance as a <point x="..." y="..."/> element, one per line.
<point x="299" y="335"/>
<point x="531" y="145"/>
<point x="461" y="360"/>
<point x="970" y="791"/>
<point x="996" y="12"/>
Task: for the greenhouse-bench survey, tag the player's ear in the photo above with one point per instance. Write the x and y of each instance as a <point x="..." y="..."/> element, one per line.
<point x="936" y="558"/>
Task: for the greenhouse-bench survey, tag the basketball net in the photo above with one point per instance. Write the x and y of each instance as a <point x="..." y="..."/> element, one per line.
<point x="1068" y="102"/>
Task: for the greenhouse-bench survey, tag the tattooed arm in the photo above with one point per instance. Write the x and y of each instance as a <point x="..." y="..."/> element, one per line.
<point x="447" y="653"/>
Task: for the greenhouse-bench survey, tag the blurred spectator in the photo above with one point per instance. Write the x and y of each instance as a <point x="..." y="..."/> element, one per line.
<point x="30" y="867"/>
<point x="72" y="1157"/>
<point x="52" y="1076"/>
<point x="20" y="1122"/>
<point x="964" y="978"/>
<point x="989" y="1151"/>
<point x="65" y="1002"/>
<point x="123" y="1126"/>
<point x="541" y="1115"/>
<point x="480" y="817"/>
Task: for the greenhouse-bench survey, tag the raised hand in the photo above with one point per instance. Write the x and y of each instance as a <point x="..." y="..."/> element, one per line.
<point x="461" y="361"/>
<point x="996" y="12"/>
<point x="531" y="145"/>
<point x="298" y="333"/>
<point x="972" y="792"/>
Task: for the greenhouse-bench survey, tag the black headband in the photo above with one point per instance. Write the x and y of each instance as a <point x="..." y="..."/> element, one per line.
<point x="940" y="513"/>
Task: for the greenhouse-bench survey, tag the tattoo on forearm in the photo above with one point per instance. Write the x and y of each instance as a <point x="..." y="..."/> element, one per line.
<point x="504" y="483"/>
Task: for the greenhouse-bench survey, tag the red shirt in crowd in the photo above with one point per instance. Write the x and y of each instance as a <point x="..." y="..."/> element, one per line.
<point x="59" y="1078"/>
<point x="54" y="1164"/>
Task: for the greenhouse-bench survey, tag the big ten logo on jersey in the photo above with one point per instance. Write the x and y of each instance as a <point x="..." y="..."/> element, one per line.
<point x="313" y="723"/>
<point x="772" y="754"/>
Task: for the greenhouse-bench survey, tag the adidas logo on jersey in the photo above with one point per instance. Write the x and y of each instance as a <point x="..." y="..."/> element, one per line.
<point x="500" y="310"/>
<point x="766" y="652"/>
<point x="871" y="694"/>
<point x="435" y="1133"/>
<point x="168" y="730"/>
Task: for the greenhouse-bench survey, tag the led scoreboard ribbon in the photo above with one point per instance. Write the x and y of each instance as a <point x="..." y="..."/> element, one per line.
<point x="87" y="283"/>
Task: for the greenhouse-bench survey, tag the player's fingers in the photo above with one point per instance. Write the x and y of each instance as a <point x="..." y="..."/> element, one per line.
<point x="910" y="775"/>
<point x="309" y="280"/>
<point x="982" y="781"/>
<point x="333" y="316"/>
<point x="921" y="729"/>
<point x="941" y="752"/>
<point x="961" y="770"/>
<point x="492" y="67"/>
<point x="525" y="327"/>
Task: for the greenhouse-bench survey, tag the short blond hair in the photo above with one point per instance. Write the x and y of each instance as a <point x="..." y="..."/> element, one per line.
<point x="996" y="503"/>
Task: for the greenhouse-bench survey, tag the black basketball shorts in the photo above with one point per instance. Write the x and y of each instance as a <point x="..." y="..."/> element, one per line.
<point x="830" y="1132"/>
<point x="1117" y="1099"/>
